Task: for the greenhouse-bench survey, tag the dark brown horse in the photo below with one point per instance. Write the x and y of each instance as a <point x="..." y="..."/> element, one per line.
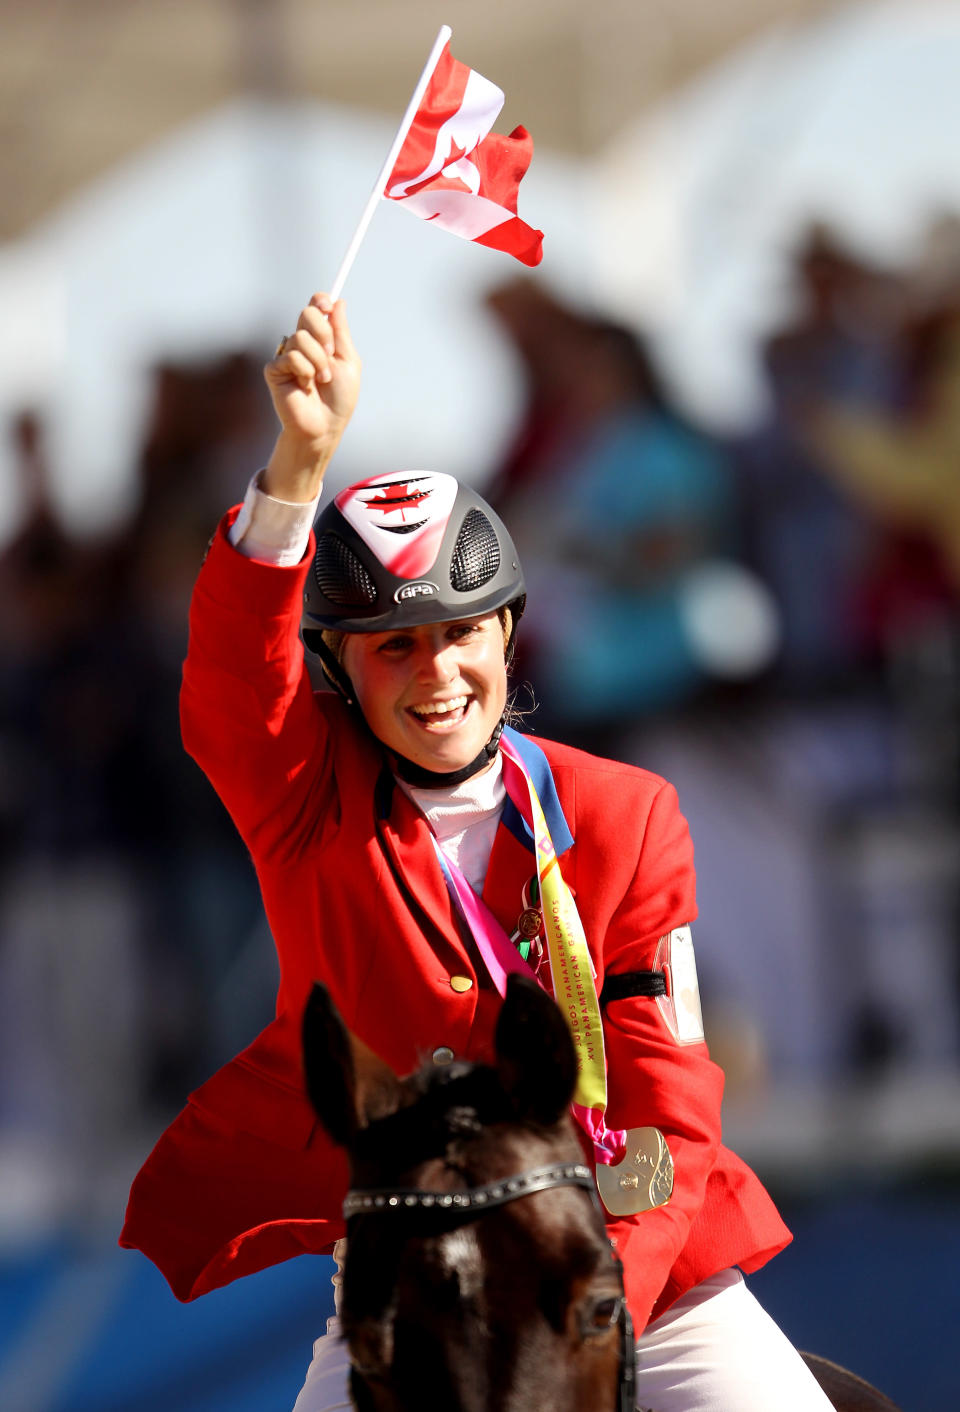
<point x="480" y="1277"/>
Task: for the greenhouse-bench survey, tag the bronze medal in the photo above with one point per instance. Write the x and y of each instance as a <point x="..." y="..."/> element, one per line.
<point x="528" y="923"/>
<point x="643" y="1180"/>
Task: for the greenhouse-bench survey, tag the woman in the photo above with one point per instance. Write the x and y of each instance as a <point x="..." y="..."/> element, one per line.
<point x="377" y="816"/>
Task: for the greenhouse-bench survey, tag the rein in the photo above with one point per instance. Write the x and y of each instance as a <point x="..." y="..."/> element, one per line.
<point x="473" y="1201"/>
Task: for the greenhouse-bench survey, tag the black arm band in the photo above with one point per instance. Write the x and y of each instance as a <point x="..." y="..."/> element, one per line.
<point x="631" y="983"/>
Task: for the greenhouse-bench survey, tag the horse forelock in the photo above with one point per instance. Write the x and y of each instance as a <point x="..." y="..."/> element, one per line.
<point x="436" y="1107"/>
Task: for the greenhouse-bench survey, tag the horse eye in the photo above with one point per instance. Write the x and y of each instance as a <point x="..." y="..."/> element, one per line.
<point x="603" y="1315"/>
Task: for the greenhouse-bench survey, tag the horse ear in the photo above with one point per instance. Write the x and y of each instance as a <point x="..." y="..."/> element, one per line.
<point x="536" y="1062"/>
<point x="348" y="1084"/>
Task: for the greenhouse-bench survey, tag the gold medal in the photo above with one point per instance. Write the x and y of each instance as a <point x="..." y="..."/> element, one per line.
<point x="643" y="1180"/>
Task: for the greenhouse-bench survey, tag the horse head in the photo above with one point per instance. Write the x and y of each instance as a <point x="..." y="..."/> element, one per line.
<point x="479" y="1275"/>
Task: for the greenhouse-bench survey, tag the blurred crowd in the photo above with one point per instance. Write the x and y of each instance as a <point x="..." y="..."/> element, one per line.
<point x="127" y="898"/>
<point x="771" y="621"/>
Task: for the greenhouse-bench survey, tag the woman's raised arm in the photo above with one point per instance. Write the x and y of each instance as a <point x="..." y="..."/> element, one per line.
<point x="314" y="381"/>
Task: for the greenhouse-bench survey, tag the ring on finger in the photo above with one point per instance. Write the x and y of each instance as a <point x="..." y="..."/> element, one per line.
<point x="278" y="352"/>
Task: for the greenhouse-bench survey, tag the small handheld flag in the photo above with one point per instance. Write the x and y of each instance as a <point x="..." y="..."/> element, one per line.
<point x="446" y="167"/>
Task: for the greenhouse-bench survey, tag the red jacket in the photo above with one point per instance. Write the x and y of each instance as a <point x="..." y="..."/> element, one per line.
<point x="355" y="897"/>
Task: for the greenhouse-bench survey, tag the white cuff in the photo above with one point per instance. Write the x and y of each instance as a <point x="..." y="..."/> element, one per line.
<point x="273" y="531"/>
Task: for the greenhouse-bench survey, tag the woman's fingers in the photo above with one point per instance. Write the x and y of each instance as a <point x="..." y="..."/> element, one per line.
<point x="312" y="351"/>
<point x="315" y="320"/>
<point x="300" y="366"/>
<point x="341" y="332"/>
<point x="322" y="335"/>
<point x="327" y="321"/>
<point x="319" y="361"/>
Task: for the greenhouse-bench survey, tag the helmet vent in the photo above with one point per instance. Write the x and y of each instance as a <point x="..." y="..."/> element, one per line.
<point x="340" y="575"/>
<point x="476" y="554"/>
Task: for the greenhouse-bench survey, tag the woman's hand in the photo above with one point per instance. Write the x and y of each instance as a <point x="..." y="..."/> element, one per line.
<point x="314" y="382"/>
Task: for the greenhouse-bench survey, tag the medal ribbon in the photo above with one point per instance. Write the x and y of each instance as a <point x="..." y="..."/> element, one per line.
<point x="500" y="956"/>
<point x="571" y="967"/>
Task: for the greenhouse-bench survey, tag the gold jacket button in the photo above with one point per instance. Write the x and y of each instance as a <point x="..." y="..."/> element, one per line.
<point x="460" y="983"/>
<point x="443" y="1055"/>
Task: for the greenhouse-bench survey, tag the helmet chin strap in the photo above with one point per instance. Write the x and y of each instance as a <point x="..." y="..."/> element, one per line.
<point x="421" y="778"/>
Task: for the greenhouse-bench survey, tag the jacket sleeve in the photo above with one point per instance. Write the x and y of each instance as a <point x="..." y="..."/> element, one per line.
<point x="247" y="710"/>
<point x="653" y="1080"/>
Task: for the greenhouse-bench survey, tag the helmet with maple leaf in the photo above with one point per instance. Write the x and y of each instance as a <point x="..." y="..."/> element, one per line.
<point x="407" y="548"/>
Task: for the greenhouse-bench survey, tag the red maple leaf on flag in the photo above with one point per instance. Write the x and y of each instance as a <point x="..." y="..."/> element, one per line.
<point x="443" y="178"/>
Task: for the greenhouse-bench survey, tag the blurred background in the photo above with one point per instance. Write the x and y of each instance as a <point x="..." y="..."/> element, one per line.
<point x="723" y="420"/>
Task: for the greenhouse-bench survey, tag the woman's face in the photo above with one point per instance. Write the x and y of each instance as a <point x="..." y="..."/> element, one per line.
<point x="432" y="693"/>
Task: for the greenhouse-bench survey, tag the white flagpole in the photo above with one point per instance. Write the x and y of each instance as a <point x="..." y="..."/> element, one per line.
<point x="388" y="165"/>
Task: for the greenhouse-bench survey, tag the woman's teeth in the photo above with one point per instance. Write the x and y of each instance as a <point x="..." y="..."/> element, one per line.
<point x="439" y="708"/>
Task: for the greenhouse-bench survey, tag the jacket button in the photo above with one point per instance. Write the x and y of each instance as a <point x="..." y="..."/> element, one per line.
<point x="460" y="983"/>
<point x="443" y="1055"/>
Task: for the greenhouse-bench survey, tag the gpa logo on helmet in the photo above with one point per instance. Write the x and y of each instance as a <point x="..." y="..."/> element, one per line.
<point x="423" y="588"/>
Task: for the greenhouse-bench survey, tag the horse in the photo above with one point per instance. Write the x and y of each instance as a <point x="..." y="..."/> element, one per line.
<point x="479" y="1274"/>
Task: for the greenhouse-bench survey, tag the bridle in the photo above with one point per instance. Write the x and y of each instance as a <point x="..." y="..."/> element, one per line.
<point x="470" y="1202"/>
<point x="470" y="1199"/>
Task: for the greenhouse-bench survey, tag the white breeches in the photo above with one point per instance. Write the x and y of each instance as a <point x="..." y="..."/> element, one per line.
<point x="714" y="1349"/>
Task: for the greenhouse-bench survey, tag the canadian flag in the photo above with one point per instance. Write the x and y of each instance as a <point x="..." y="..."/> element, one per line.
<point x="451" y="172"/>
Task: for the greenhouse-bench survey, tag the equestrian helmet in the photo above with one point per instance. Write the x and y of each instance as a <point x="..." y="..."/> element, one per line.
<point x="408" y="548"/>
